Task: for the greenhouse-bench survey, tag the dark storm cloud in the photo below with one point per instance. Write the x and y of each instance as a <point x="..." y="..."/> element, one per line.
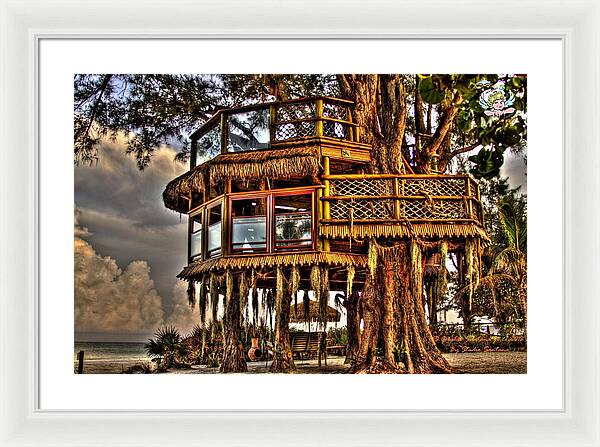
<point x="122" y="209"/>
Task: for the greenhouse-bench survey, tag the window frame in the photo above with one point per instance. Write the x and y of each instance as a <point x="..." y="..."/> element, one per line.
<point x="294" y="248"/>
<point x="244" y="196"/>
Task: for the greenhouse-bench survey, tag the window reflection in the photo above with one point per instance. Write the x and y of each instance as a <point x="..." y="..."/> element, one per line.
<point x="249" y="220"/>
<point x="293" y="221"/>
<point x="213" y="245"/>
<point x="196" y="237"/>
<point x="248" y="131"/>
<point x="209" y="145"/>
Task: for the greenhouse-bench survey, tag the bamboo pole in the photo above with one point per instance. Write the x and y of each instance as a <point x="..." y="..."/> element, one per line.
<point x="397" y="202"/>
<point x="327" y="193"/>
<point x="319" y="117"/>
<point x="272" y="122"/>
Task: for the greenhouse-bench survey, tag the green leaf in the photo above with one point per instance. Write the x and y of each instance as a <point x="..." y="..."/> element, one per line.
<point x="465" y="121"/>
<point x="429" y="93"/>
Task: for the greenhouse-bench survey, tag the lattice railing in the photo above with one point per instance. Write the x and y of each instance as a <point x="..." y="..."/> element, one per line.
<point x="312" y="118"/>
<point x="403" y="197"/>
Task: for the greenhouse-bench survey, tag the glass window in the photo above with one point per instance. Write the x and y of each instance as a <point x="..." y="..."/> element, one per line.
<point x="249" y="232"/>
<point x="208" y="145"/>
<point x="213" y="244"/>
<point x="293" y="221"/>
<point x="196" y="237"/>
<point x="248" y="131"/>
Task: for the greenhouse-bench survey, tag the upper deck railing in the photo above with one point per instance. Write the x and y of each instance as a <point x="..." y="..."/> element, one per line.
<point x="381" y="198"/>
<point x="263" y="126"/>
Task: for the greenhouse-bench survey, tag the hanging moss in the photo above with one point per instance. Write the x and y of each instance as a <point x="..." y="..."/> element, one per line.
<point x="228" y="287"/>
<point x="254" y="294"/>
<point x="442" y="278"/>
<point x="191" y="294"/>
<point x="470" y="261"/>
<point x="243" y="287"/>
<point x="351" y="271"/>
<point x="372" y="257"/>
<point x="416" y="262"/>
<point x="294" y="280"/>
<point x="214" y="296"/>
<point x="315" y="282"/>
<point x="306" y="306"/>
<point x="270" y="305"/>
<point x="324" y="296"/>
<point x="202" y="301"/>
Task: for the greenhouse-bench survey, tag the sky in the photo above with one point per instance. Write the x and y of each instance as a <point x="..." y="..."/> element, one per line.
<point x="128" y="248"/>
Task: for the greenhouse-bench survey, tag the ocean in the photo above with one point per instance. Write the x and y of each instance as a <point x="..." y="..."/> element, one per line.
<point x="109" y="357"/>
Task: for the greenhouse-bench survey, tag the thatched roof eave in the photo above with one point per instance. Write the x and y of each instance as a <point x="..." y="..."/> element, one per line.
<point x="282" y="164"/>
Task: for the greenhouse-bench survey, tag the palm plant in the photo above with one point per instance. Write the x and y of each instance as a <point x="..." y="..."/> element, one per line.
<point x="165" y="345"/>
<point x="506" y="277"/>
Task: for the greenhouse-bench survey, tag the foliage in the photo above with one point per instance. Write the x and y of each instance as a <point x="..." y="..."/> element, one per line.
<point x="443" y="113"/>
<point x="338" y="336"/>
<point x="463" y="95"/>
<point x="166" y="345"/>
<point x="502" y="291"/>
<point x="153" y="109"/>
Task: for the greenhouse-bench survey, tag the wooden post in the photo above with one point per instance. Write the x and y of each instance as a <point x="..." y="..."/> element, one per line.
<point x="326" y="193"/>
<point x="224" y="131"/>
<point x="469" y="201"/>
<point x="272" y="121"/>
<point x="350" y="128"/>
<point x="225" y="220"/>
<point x="397" y="203"/>
<point x="319" y="117"/>
<point x="80" y="355"/>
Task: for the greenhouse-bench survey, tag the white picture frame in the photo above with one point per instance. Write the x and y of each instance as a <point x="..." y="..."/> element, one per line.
<point x="25" y="24"/>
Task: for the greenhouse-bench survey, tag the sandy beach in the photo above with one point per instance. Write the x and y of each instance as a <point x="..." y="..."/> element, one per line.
<point x="463" y="363"/>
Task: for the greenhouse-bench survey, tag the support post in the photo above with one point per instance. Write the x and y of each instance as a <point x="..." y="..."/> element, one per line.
<point x="80" y="355"/>
<point x="272" y="121"/>
<point x="319" y="117"/>
<point x="397" y="202"/>
<point x="327" y="193"/>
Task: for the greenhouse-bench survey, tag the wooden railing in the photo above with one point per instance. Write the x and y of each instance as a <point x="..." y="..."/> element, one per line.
<point x="263" y="126"/>
<point x="398" y="198"/>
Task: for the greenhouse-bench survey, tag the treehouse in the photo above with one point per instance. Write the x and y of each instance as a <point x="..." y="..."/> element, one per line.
<point x="287" y="184"/>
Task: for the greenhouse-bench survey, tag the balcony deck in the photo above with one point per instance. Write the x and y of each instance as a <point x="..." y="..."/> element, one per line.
<point x="318" y="121"/>
<point x="430" y="206"/>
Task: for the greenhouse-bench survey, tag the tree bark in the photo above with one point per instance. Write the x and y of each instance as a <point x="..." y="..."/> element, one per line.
<point x="395" y="324"/>
<point x="353" y="326"/>
<point x="233" y="350"/>
<point x="283" y="360"/>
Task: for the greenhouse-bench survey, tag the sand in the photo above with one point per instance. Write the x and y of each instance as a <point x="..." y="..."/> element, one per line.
<point x="464" y="363"/>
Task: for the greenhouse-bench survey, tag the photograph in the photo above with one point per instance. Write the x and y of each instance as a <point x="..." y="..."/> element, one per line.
<point x="300" y="223"/>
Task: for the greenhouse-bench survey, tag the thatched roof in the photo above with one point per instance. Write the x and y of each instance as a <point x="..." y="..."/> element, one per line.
<point x="297" y="313"/>
<point x="280" y="164"/>
<point x="421" y="230"/>
<point x="259" y="261"/>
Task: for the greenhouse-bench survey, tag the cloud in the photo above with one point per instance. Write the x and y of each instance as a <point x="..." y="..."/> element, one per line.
<point x="182" y="316"/>
<point x="122" y="211"/>
<point x="116" y="185"/>
<point x="121" y="303"/>
<point x="108" y="299"/>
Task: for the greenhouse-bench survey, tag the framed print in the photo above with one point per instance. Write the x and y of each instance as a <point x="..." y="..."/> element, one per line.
<point x="299" y="229"/>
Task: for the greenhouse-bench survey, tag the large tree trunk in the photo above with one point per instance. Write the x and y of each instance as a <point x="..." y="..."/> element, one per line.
<point x="233" y="350"/>
<point x="395" y="324"/>
<point x="283" y="360"/>
<point x="391" y="303"/>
